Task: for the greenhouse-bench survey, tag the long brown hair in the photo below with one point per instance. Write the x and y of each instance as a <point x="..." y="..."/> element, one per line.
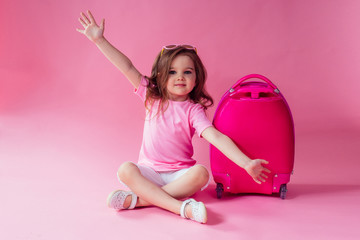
<point x="157" y="86"/>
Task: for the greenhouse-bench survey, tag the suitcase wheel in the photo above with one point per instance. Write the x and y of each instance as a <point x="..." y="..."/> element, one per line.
<point x="283" y="191"/>
<point x="219" y="190"/>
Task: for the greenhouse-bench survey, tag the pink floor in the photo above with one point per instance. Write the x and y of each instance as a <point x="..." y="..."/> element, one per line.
<point x="54" y="180"/>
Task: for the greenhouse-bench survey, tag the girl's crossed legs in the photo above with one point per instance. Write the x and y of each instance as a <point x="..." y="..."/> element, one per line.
<point x="167" y="196"/>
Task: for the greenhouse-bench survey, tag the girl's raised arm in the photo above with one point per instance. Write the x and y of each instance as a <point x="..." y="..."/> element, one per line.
<point x="95" y="33"/>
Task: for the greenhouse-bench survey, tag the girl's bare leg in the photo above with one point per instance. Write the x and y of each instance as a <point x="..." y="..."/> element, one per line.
<point x="166" y="196"/>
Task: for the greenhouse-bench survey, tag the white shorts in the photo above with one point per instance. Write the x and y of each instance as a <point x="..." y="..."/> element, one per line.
<point x="162" y="178"/>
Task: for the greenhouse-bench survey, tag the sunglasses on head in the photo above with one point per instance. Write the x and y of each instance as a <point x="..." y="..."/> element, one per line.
<point x="174" y="46"/>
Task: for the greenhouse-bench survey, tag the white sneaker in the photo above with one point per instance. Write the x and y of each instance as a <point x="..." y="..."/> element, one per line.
<point x="117" y="198"/>
<point x="198" y="210"/>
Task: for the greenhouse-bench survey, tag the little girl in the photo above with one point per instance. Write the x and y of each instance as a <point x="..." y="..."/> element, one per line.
<point x="175" y="100"/>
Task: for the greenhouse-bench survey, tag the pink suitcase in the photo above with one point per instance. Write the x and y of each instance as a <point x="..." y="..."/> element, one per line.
<point x="256" y="116"/>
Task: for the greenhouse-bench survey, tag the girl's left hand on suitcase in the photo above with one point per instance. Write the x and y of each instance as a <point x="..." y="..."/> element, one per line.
<point x="255" y="169"/>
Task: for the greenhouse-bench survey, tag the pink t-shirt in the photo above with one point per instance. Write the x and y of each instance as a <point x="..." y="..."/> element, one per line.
<point x="166" y="144"/>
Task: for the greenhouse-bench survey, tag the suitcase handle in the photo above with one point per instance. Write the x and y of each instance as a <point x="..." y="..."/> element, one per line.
<point x="255" y="76"/>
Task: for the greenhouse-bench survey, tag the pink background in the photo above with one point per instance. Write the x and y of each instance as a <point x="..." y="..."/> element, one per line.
<point x="68" y="118"/>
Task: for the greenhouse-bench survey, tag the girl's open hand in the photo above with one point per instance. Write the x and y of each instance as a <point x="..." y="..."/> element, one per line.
<point x="91" y="30"/>
<point x="255" y="169"/>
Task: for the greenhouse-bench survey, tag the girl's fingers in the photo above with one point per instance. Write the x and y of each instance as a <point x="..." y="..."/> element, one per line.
<point x="82" y="22"/>
<point x="92" y="19"/>
<point x="261" y="179"/>
<point x="85" y="18"/>
<point x="80" y="31"/>
<point x="264" y="161"/>
<point x="257" y="181"/>
<point x="265" y="169"/>
<point x="264" y="176"/>
<point x="102" y="24"/>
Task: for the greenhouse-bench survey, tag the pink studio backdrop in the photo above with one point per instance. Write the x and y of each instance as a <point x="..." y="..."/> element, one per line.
<point x="309" y="49"/>
<point x="60" y="97"/>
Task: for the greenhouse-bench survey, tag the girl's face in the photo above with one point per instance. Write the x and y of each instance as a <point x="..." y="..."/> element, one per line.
<point x="182" y="78"/>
